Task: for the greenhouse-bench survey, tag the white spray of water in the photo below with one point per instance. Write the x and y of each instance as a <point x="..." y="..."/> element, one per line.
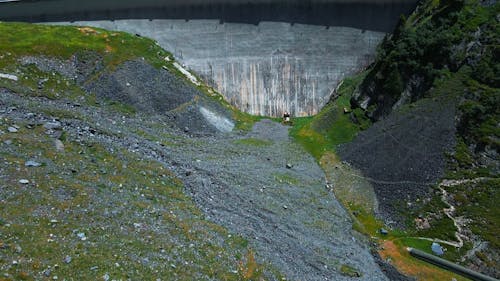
<point x="221" y="123"/>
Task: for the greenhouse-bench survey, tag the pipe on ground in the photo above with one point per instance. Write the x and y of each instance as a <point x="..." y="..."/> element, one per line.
<point x="450" y="266"/>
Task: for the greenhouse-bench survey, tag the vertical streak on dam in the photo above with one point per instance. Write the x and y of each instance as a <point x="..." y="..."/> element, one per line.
<point x="262" y="69"/>
<point x="264" y="56"/>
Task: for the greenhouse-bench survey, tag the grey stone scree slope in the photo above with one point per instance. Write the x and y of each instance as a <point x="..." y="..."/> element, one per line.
<point x="418" y="139"/>
<point x="263" y="69"/>
<point x="288" y="216"/>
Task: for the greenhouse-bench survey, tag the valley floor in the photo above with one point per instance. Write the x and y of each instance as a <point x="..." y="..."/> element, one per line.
<point x="259" y="185"/>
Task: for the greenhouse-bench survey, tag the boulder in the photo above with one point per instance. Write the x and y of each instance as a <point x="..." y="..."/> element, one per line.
<point x="437" y="249"/>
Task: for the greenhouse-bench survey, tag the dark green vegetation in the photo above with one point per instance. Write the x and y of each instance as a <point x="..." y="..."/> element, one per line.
<point x="349" y="271"/>
<point x="253" y="142"/>
<point x="446" y="52"/>
<point x="440" y="38"/>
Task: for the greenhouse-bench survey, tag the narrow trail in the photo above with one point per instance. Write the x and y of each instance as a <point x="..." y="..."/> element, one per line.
<point x="458" y="222"/>
<point x="450" y="211"/>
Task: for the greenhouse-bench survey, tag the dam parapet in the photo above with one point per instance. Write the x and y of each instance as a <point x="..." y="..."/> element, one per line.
<point x="378" y="15"/>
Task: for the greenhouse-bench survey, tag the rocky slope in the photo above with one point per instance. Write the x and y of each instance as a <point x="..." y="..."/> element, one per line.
<point x="114" y="166"/>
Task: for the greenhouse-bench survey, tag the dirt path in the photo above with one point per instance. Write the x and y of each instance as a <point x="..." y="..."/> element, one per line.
<point x="459" y="222"/>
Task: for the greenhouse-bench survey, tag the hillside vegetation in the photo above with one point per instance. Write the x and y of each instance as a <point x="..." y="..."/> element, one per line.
<point x="116" y="165"/>
<point x="83" y="196"/>
<point x="433" y="98"/>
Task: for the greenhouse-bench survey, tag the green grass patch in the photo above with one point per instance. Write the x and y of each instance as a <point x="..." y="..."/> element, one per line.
<point x="137" y="221"/>
<point x="365" y="222"/>
<point x="350" y="271"/>
<point x="245" y="121"/>
<point x="21" y="39"/>
<point x="441" y="228"/>
<point x="286" y="178"/>
<point x="420" y="244"/>
<point x="253" y="142"/>
<point x="336" y="123"/>
<point x="122" y="108"/>
<point x="450" y="253"/>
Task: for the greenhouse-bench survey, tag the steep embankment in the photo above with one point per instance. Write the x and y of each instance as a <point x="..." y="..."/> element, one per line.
<point x="433" y="97"/>
<point x="86" y="191"/>
<point x="102" y="139"/>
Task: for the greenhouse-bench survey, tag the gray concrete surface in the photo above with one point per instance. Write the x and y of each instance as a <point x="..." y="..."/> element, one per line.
<point x="263" y="69"/>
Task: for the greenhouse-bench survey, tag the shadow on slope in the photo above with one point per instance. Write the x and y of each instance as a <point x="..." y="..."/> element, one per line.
<point x="403" y="156"/>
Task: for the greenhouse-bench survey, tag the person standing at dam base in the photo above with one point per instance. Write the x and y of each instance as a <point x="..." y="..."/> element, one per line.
<point x="286" y="117"/>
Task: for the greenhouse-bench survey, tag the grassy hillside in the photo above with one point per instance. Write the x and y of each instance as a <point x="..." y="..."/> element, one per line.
<point x="335" y="124"/>
<point x="445" y="50"/>
<point x="96" y="213"/>
<point x="65" y="42"/>
<point x="83" y="201"/>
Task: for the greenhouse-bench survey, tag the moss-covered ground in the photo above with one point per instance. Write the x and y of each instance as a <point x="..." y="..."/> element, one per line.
<point x="335" y="124"/>
<point x="91" y="211"/>
<point x="111" y="213"/>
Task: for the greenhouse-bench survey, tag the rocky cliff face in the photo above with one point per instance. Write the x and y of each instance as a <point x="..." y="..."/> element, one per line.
<point x="434" y="94"/>
<point x="263" y="69"/>
<point x="438" y="39"/>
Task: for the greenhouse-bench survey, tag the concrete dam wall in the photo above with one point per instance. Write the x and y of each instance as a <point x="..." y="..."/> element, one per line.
<point x="265" y="69"/>
<point x="293" y="62"/>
